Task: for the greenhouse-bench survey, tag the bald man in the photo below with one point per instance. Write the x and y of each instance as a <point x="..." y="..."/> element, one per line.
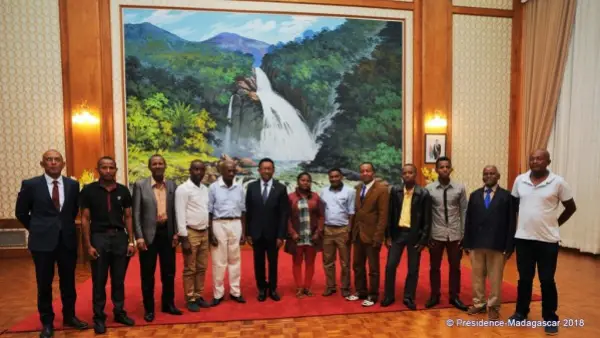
<point x="47" y="206"/>
<point x="489" y="231"/>
<point x="227" y="219"/>
<point x="540" y="193"/>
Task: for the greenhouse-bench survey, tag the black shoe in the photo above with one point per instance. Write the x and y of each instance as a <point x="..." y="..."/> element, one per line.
<point x="202" y="303"/>
<point x="193" y="307"/>
<point x="216" y="301"/>
<point x="149" y="317"/>
<point x="274" y="295"/>
<point x="99" y="327"/>
<point x="47" y="332"/>
<point x="172" y="310"/>
<point x="387" y="302"/>
<point x="329" y="292"/>
<point x="75" y="323"/>
<point x="517" y="317"/>
<point x="433" y="301"/>
<point x="410" y="303"/>
<point x="238" y="299"/>
<point x="124" y="319"/>
<point x="262" y="295"/>
<point x="457" y="303"/>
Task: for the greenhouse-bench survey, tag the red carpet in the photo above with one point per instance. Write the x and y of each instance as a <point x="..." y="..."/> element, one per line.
<point x="288" y="307"/>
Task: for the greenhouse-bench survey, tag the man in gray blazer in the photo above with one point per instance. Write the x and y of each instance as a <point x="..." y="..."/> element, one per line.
<point x="156" y="233"/>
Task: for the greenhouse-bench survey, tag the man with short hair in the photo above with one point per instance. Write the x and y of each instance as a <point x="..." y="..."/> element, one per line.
<point x="108" y="234"/>
<point x="47" y="206"/>
<point x="540" y="193"/>
<point x="338" y="200"/>
<point x="156" y="233"/>
<point x="191" y="209"/>
<point x="227" y="218"/>
<point x="489" y="231"/>
<point x="449" y="209"/>
<point x="408" y="227"/>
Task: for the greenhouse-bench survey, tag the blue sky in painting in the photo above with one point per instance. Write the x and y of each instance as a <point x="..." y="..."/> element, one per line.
<point x="201" y="25"/>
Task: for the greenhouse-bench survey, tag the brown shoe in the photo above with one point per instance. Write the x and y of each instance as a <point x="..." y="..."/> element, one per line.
<point x="473" y="310"/>
<point x="493" y="313"/>
<point x="328" y="292"/>
<point x="308" y="293"/>
<point x="300" y="293"/>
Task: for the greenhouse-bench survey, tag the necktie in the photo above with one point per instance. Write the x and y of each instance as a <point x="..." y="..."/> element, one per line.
<point x="362" y="193"/>
<point x="446" y="204"/>
<point x="55" y="195"/>
<point x="488" y="197"/>
<point x="265" y="193"/>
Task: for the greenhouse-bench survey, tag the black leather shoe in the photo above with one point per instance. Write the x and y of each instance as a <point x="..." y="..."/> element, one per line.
<point x="202" y="303"/>
<point x="517" y="317"/>
<point x="274" y="295"/>
<point x="410" y="303"/>
<point x="262" y="295"/>
<point x="387" y="302"/>
<point x="47" y="332"/>
<point x="99" y="327"/>
<point x="433" y="301"/>
<point x="149" y="317"/>
<point x="216" y="301"/>
<point x="457" y="303"/>
<point x="75" y="323"/>
<point x="124" y="319"/>
<point x="172" y="310"/>
<point x="238" y="299"/>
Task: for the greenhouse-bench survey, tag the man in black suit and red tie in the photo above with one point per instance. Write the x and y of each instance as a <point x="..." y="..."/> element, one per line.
<point x="267" y="210"/>
<point x="47" y="206"/>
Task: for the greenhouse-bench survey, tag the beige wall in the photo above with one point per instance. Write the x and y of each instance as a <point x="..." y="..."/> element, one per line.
<point x="480" y="96"/>
<point x="31" y="104"/>
<point x="497" y="4"/>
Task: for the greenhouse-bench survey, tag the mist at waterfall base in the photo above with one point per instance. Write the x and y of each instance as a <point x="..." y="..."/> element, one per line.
<point x="285" y="137"/>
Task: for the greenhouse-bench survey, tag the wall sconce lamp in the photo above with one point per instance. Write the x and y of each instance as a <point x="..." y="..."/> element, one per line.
<point x="437" y="121"/>
<point x="84" y="117"/>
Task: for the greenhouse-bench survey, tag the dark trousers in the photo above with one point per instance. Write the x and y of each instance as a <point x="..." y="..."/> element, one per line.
<point x="544" y="255"/>
<point x="364" y="252"/>
<point x="435" y="260"/>
<point x="268" y="247"/>
<point x="44" y="262"/>
<point x="112" y="250"/>
<point x="162" y="249"/>
<point x="393" y="260"/>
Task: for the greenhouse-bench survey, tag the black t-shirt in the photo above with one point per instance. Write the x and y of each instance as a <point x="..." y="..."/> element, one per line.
<point x="107" y="206"/>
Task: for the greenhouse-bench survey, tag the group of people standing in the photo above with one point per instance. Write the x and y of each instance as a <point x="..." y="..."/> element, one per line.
<point x="339" y="221"/>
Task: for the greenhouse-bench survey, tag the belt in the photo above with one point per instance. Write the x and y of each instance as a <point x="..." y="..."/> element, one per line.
<point x="227" y="218"/>
<point x="336" y="226"/>
<point x="108" y="230"/>
<point x="203" y="230"/>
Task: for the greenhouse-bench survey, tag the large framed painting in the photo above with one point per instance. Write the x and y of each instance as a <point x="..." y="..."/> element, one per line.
<point x="312" y="91"/>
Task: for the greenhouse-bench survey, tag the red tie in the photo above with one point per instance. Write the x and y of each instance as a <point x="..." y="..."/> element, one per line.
<point x="55" y="196"/>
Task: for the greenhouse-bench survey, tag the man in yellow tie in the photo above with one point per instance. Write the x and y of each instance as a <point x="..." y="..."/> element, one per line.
<point x="409" y="222"/>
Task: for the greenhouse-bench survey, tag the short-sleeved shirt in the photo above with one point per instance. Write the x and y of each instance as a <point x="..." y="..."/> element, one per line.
<point x="339" y="205"/>
<point x="107" y="206"/>
<point x="539" y="207"/>
<point x="224" y="201"/>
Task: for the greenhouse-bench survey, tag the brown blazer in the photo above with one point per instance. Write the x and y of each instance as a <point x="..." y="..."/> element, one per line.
<point x="370" y="217"/>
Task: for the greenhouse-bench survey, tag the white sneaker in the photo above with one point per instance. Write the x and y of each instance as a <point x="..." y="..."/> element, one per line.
<point x="352" y="298"/>
<point x="367" y="302"/>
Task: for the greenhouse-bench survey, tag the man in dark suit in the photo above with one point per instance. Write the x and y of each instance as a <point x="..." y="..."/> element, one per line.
<point x="368" y="232"/>
<point x="409" y="221"/>
<point x="489" y="231"/>
<point x="47" y="206"/>
<point x="155" y="230"/>
<point x="267" y="210"/>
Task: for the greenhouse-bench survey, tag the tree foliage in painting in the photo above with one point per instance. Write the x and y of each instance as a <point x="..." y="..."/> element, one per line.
<point x="369" y="124"/>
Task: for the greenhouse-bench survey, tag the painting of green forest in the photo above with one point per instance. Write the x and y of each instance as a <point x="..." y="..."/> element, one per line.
<point x="309" y="92"/>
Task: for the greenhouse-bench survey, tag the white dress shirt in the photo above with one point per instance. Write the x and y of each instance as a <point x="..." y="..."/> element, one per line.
<point x="61" y="188"/>
<point x="191" y="207"/>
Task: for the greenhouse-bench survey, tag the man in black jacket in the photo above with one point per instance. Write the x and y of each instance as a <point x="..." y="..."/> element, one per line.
<point x="489" y="231"/>
<point x="267" y="210"/>
<point x="47" y="206"/>
<point x="409" y="221"/>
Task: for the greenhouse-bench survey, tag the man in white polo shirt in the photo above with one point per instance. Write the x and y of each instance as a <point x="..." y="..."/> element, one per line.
<point x="540" y="193"/>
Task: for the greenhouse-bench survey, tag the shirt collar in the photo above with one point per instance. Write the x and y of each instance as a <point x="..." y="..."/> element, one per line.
<point x="192" y="184"/>
<point x="548" y="180"/>
<point x="269" y="182"/>
<point x="340" y="189"/>
<point x="153" y="183"/>
<point x="439" y="184"/>
<point x="222" y="184"/>
<point x="370" y="184"/>
<point x="494" y="188"/>
<point x="49" y="179"/>
<point x="409" y="192"/>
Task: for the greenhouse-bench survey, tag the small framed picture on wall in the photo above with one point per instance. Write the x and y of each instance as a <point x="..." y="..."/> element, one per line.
<point x="435" y="147"/>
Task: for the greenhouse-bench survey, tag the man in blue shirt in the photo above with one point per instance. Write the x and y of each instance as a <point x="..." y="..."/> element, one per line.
<point x="339" y="208"/>
<point x="227" y="218"/>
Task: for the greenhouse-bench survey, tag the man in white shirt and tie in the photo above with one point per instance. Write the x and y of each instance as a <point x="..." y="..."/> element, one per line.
<point x="191" y="210"/>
